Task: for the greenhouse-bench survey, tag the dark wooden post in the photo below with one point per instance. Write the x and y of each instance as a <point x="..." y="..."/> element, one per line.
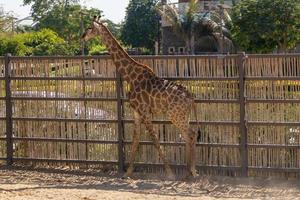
<point x="121" y="155"/>
<point x="8" y="104"/>
<point x="243" y="127"/>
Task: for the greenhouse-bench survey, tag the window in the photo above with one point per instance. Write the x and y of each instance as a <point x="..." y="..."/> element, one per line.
<point x="181" y="50"/>
<point x="171" y="50"/>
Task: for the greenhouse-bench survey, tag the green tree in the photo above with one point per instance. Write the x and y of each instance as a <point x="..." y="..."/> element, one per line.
<point x="41" y="43"/>
<point x="65" y="17"/>
<point x="264" y="25"/>
<point x="141" y="26"/>
<point x="40" y="8"/>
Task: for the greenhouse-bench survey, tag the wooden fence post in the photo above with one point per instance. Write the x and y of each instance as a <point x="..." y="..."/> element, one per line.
<point x="243" y="127"/>
<point x="8" y="105"/>
<point x="121" y="152"/>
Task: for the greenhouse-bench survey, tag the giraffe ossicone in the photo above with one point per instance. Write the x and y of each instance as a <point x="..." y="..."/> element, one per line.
<point x="148" y="95"/>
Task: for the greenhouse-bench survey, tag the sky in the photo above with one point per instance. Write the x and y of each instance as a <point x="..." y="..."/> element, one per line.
<point x="112" y="9"/>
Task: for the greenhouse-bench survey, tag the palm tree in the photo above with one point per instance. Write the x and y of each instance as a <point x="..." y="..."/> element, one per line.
<point x="213" y="24"/>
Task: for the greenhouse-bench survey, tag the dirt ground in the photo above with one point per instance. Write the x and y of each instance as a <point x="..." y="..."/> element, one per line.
<point x="38" y="184"/>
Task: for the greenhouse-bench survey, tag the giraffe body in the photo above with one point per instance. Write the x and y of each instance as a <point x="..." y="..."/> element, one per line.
<point x="150" y="95"/>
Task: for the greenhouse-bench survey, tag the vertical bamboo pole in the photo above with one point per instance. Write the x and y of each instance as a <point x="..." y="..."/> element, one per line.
<point x="243" y="129"/>
<point x="121" y="157"/>
<point x="9" y="127"/>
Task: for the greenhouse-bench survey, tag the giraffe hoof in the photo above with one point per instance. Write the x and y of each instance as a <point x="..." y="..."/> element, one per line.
<point x="171" y="177"/>
<point x="191" y="175"/>
<point x="127" y="175"/>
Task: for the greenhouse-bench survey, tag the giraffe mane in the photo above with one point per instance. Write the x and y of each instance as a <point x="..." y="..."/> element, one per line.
<point x="126" y="54"/>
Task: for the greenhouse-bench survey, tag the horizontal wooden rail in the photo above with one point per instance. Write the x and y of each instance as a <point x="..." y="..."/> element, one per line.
<point x="126" y="99"/>
<point x="65" y="119"/>
<point x="222" y="145"/>
<point x="227" y="123"/>
<point x="214" y="167"/>
<point x="65" y="98"/>
<point x="279" y="55"/>
<point x="207" y="167"/>
<point x="82" y="78"/>
<point x="108" y="57"/>
<point x="275" y="169"/>
<point x="249" y="78"/>
<point x="272" y="100"/>
<point x="271" y="146"/>
<point x="108" y="99"/>
<point x="115" y="121"/>
<point x="263" y="123"/>
<point x="64" y="140"/>
<point x="248" y="100"/>
<point x="62" y="78"/>
<point x="217" y="101"/>
<point x="64" y="160"/>
<point x="138" y="164"/>
<point x="272" y="78"/>
<point x="44" y="139"/>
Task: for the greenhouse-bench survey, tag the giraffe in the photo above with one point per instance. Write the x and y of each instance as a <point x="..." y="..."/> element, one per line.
<point x="148" y="95"/>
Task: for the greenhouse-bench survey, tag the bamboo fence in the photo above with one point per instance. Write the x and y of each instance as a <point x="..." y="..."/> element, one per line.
<point x="73" y="111"/>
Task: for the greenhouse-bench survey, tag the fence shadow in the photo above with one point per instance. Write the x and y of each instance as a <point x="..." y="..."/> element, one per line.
<point x="213" y="186"/>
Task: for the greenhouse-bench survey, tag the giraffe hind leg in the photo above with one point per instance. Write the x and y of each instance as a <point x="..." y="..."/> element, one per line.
<point x="180" y="120"/>
<point x="191" y="153"/>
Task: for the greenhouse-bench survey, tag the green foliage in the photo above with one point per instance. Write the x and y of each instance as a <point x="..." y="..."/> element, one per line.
<point x="97" y="49"/>
<point x="64" y="17"/>
<point x="141" y="26"/>
<point x="43" y="42"/>
<point x="41" y="8"/>
<point x="67" y="22"/>
<point x="264" y="25"/>
<point x="13" y="45"/>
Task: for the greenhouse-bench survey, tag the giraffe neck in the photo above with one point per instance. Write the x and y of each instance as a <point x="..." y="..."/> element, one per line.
<point x="119" y="56"/>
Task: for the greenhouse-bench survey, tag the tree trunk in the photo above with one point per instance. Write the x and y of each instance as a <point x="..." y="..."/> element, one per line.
<point x="193" y="44"/>
<point x="282" y="48"/>
<point x="190" y="45"/>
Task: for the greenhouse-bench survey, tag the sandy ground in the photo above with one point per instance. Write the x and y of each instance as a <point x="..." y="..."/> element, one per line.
<point x="37" y="184"/>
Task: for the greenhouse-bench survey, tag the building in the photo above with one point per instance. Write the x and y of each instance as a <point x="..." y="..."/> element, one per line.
<point x="172" y="44"/>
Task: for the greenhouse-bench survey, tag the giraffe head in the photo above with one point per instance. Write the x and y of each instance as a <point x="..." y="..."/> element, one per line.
<point x="93" y="30"/>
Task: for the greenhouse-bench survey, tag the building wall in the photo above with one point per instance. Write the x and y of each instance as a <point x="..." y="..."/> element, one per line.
<point x="170" y="39"/>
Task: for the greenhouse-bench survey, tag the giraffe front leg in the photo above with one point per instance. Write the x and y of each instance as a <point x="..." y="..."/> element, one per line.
<point x="135" y="144"/>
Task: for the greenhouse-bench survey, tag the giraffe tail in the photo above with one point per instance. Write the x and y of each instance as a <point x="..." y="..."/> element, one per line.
<point x="198" y="123"/>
